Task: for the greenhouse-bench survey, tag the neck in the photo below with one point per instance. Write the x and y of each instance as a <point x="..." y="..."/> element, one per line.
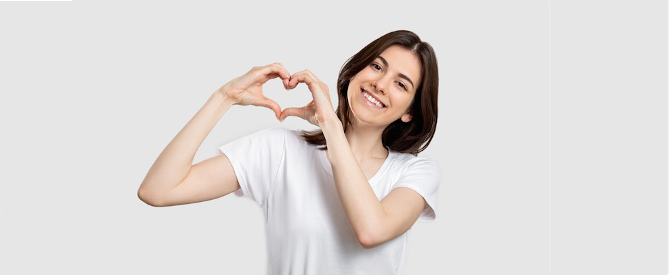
<point x="366" y="142"/>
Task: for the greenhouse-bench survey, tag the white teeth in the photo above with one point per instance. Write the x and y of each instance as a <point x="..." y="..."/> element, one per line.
<point x="373" y="100"/>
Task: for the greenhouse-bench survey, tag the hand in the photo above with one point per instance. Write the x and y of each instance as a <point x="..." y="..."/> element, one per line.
<point x="248" y="88"/>
<point x="320" y="109"/>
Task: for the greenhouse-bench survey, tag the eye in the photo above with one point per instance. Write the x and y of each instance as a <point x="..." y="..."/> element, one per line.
<point x="402" y="85"/>
<point x="376" y="67"/>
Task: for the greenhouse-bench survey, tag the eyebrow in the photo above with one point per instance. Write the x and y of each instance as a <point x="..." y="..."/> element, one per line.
<point x="386" y="64"/>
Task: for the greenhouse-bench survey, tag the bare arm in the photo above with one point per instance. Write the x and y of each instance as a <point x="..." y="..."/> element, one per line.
<point x="173" y="165"/>
<point x="373" y="222"/>
<point x="172" y="179"/>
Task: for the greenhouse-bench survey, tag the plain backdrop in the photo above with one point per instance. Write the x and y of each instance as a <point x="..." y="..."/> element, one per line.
<point x="93" y="91"/>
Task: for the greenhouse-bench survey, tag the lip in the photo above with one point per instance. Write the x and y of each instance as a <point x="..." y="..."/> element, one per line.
<point x="370" y="103"/>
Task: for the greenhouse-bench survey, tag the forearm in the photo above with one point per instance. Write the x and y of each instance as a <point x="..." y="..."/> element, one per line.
<point x="361" y="206"/>
<point x="175" y="161"/>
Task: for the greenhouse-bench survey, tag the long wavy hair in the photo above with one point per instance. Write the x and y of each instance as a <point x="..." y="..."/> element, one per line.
<point x="404" y="137"/>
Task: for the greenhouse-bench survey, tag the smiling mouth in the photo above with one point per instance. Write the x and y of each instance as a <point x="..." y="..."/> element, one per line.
<point x="371" y="99"/>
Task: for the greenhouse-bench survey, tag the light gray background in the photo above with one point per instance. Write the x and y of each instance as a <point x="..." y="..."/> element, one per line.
<point x="552" y="135"/>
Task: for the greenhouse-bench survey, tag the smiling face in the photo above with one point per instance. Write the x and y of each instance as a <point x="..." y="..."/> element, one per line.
<point x="383" y="91"/>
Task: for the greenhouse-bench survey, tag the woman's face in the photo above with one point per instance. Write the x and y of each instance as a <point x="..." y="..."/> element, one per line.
<point x="383" y="91"/>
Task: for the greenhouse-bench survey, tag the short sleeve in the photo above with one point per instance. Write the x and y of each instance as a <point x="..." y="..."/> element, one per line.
<point x="256" y="159"/>
<point x="422" y="176"/>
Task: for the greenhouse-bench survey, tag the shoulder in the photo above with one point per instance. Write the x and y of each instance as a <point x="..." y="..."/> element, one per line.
<point x="266" y="138"/>
<point x="293" y="134"/>
<point x="404" y="162"/>
<point x="295" y="140"/>
<point x="286" y="135"/>
<point x="277" y="138"/>
<point x="271" y="132"/>
<point x="419" y="174"/>
<point x="275" y="135"/>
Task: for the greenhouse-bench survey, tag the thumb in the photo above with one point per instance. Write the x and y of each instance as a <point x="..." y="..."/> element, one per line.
<point x="270" y="104"/>
<point x="299" y="112"/>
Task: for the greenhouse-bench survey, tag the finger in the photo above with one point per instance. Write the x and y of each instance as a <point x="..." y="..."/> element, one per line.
<point x="285" y="77"/>
<point x="318" y="90"/>
<point x="264" y="78"/>
<point x="303" y="77"/>
<point x="312" y="75"/>
<point x="299" y="112"/>
<point x="266" y="75"/>
<point x="296" y="78"/>
<point x="270" y="104"/>
<point x="286" y="74"/>
<point x="276" y="70"/>
<point x="309" y="73"/>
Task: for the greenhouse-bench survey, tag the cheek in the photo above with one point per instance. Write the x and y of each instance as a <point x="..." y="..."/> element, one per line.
<point x="405" y="100"/>
<point x="364" y="75"/>
<point x="350" y="92"/>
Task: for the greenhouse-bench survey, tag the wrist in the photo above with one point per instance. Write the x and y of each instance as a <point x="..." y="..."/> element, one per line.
<point x="331" y="123"/>
<point x="223" y="99"/>
<point x="332" y="128"/>
<point x="224" y="91"/>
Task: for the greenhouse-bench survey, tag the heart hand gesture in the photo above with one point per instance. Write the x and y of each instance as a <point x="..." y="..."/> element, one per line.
<point x="248" y="88"/>
<point x="320" y="109"/>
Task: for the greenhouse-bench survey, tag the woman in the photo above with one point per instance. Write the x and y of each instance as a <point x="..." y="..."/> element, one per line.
<point x="338" y="200"/>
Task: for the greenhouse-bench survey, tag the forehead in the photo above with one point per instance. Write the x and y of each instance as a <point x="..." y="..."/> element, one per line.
<point x="404" y="62"/>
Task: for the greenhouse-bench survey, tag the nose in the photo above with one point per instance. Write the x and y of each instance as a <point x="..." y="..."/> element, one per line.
<point x="380" y="84"/>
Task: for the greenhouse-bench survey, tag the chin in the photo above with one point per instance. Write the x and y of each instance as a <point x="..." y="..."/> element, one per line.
<point x="362" y="119"/>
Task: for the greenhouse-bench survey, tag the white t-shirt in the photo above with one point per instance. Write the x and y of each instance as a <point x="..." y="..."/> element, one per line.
<point x="307" y="231"/>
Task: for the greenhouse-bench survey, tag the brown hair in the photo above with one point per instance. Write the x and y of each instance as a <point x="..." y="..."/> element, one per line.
<point x="404" y="137"/>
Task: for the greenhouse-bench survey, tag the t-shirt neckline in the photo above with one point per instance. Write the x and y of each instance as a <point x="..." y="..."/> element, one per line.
<point x="328" y="169"/>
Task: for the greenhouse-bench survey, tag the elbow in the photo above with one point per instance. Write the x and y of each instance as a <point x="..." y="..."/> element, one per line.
<point x="368" y="240"/>
<point x="149" y="198"/>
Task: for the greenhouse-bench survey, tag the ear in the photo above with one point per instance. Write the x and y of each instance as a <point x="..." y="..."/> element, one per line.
<point x="406" y="118"/>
